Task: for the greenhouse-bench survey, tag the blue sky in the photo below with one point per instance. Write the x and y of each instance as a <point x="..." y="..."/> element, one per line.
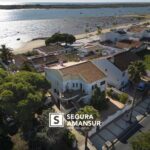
<point x="13" y="1"/>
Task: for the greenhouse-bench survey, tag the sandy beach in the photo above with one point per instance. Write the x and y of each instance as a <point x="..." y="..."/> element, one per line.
<point x="29" y="46"/>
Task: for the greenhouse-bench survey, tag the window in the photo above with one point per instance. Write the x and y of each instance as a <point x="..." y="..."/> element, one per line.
<point x="73" y="85"/>
<point x="102" y="83"/>
<point x="76" y="84"/>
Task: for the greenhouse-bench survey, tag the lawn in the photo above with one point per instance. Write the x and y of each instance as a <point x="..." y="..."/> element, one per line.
<point x="145" y="55"/>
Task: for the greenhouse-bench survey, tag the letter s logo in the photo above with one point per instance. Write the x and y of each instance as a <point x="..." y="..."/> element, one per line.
<point x="56" y="118"/>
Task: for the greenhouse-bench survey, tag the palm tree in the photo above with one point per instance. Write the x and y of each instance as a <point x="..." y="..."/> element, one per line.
<point x="6" y="54"/>
<point x="136" y="70"/>
<point x="89" y="110"/>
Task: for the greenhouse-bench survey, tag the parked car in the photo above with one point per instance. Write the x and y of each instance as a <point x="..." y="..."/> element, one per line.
<point x="141" y="86"/>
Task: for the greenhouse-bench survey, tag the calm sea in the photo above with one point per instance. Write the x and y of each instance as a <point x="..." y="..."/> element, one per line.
<point x="33" y="23"/>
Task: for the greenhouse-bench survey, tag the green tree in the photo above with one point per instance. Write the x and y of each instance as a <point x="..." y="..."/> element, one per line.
<point x="136" y="70"/>
<point x="60" y="38"/>
<point x="27" y="108"/>
<point x="99" y="100"/>
<point x="6" y="54"/>
<point x="3" y="74"/>
<point x="141" y="141"/>
<point x="123" y="98"/>
<point x="48" y="138"/>
<point x="27" y="67"/>
<point x="89" y="110"/>
<point x="22" y="95"/>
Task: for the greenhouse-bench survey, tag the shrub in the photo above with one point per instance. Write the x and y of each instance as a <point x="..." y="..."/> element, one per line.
<point x="109" y="92"/>
<point x="123" y="98"/>
<point x="69" y="138"/>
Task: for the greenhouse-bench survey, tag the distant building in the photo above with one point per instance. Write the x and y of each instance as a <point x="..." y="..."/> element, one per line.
<point x="53" y="49"/>
<point x="114" y="36"/>
<point x="39" y="62"/>
<point x="71" y="77"/>
<point x="134" y="46"/>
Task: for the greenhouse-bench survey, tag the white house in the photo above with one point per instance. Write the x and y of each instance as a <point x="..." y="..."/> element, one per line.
<point x="114" y="36"/>
<point x="115" y="76"/>
<point x="75" y="76"/>
<point x="115" y="68"/>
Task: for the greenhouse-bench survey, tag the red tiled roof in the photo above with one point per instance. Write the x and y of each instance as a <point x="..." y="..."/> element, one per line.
<point x="128" y="44"/>
<point x="87" y="70"/>
<point x="123" y="60"/>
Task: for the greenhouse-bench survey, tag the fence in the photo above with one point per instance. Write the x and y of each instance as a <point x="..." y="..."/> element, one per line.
<point x="111" y="118"/>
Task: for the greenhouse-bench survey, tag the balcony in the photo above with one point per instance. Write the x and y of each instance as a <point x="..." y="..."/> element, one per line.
<point x="69" y="95"/>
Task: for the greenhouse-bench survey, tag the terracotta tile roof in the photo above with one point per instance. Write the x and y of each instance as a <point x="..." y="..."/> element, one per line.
<point x="123" y="60"/>
<point x="87" y="70"/>
<point x="128" y="44"/>
<point x="50" y="48"/>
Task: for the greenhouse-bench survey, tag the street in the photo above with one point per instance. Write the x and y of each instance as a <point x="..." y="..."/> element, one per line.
<point x="123" y="143"/>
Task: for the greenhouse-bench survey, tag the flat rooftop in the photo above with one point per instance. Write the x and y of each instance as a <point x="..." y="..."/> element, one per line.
<point x="62" y="65"/>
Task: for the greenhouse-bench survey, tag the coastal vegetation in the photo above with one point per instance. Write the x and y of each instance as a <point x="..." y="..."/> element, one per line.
<point x="141" y="141"/>
<point x="23" y="117"/>
<point x="21" y="96"/>
<point x="60" y="38"/>
<point x="99" y="100"/>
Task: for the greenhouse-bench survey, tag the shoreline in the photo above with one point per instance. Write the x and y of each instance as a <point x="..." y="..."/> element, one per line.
<point x="74" y="5"/>
<point x="40" y="41"/>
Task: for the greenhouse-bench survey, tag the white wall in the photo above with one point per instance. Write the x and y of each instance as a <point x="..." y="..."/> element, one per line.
<point x="113" y="36"/>
<point x="115" y="76"/>
<point x="55" y="79"/>
<point x="60" y="84"/>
